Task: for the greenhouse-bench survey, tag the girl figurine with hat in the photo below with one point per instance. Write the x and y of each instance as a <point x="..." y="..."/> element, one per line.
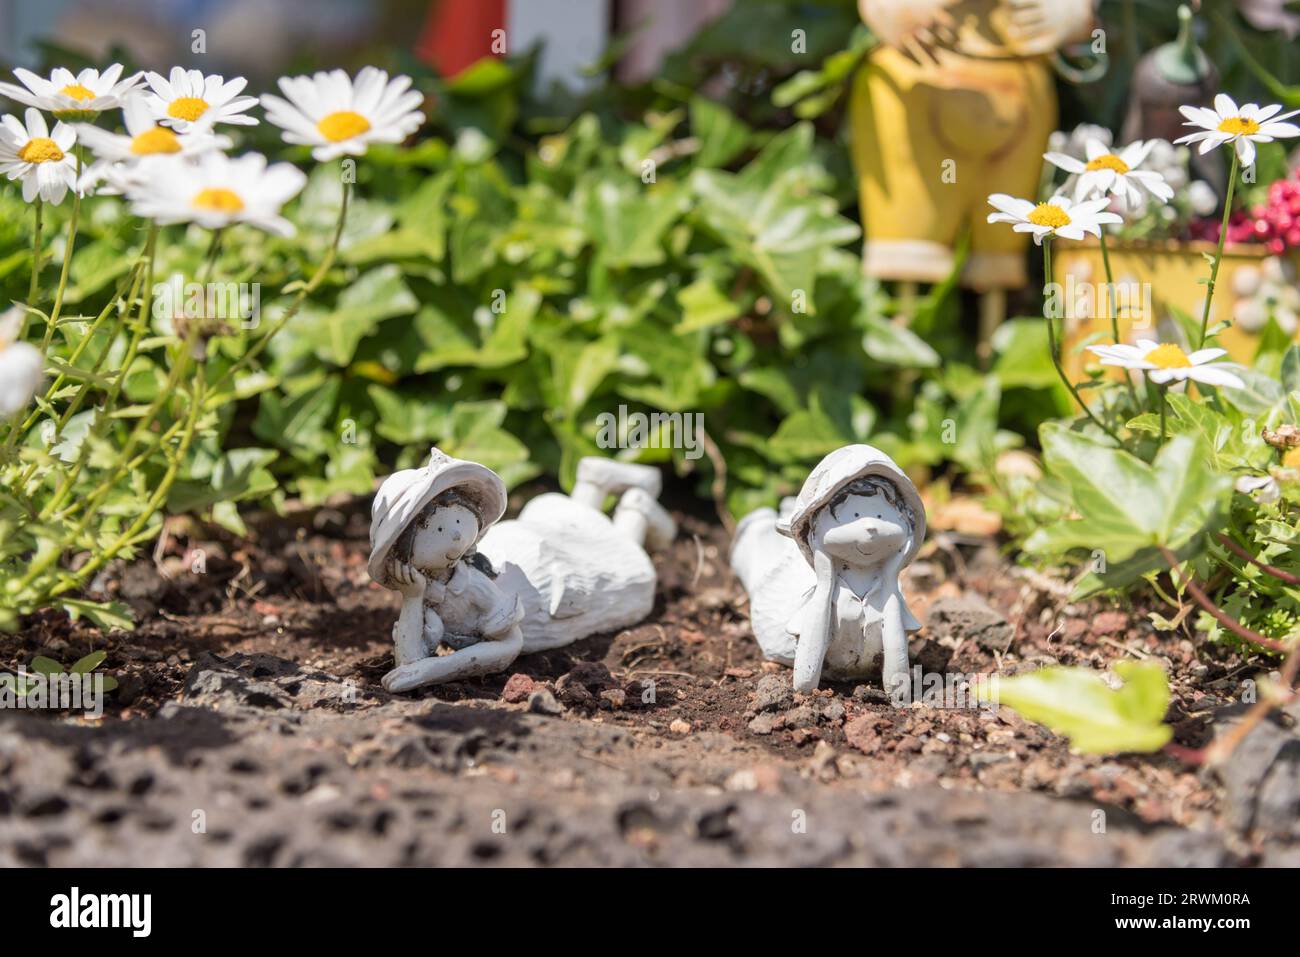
<point x="823" y="576"/>
<point x="490" y="590"/>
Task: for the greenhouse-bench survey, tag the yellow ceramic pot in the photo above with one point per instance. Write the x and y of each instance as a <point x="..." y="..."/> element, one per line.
<point x="1151" y="279"/>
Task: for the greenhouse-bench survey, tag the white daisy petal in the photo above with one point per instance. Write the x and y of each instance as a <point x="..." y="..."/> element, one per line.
<point x="41" y="159"/>
<point x="1216" y="375"/>
<point x="216" y="191"/>
<point x="1246" y="151"/>
<point x="339" y="116"/>
<point x="1225" y="105"/>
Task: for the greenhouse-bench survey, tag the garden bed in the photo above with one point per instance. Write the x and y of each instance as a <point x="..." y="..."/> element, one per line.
<point x="249" y="698"/>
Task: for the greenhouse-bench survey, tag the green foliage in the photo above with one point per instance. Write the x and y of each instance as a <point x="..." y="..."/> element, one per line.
<point x="1124" y="508"/>
<point x="49" y="668"/>
<point x="1078" y="703"/>
<point x="491" y="294"/>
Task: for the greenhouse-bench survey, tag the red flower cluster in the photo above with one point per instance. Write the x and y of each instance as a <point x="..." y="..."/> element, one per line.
<point x="1275" y="224"/>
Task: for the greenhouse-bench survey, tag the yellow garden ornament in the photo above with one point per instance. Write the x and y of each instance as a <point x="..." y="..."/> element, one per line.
<point x="958" y="96"/>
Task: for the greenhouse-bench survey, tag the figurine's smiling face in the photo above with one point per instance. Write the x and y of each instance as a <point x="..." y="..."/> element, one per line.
<point x="864" y="528"/>
<point x="442" y="536"/>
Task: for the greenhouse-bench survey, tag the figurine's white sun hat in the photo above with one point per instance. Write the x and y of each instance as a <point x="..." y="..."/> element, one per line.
<point x="842" y="468"/>
<point x="404" y="495"/>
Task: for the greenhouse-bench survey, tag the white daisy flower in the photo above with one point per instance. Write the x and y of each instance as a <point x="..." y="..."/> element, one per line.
<point x="186" y="99"/>
<point x="21" y="366"/>
<point x="1242" y="126"/>
<point x="1263" y="488"/>
<point x="118" y="155"/>
<point x="1164" y="363"/>
<point x="41" y="159"/>
<point x="1106" y="173"/>
<point x="216" y="191"/>
<point x="339" y="116"/>
<point x="1056" y="217"/>
<point x="70" y="96"/>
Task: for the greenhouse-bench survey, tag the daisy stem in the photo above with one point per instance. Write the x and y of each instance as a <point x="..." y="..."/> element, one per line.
<point x="1164" y="413"/>
<point x="1053" y="349"/>
<point x="1112" y="306"/>
<point x="34" y="285"/>
<point x="132" y="534"/>
<point x="63" y="275"/>
<point x="214" y="251"/>
<point x="303" y="292"/>
<point x="1218" y="256"/>
<point x="138" y="330"/>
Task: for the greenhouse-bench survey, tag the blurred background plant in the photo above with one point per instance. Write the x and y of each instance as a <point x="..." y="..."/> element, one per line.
<point x="678" y="238"/>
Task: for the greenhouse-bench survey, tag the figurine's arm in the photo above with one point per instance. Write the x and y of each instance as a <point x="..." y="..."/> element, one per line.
<point x="408" y="633"/>
<point x="482" y="658"/>
<point x="894" y="668"/>
<point x="815" y="631"/>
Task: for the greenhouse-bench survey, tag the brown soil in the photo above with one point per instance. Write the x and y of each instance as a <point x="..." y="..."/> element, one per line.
<point x="250" y="692"/>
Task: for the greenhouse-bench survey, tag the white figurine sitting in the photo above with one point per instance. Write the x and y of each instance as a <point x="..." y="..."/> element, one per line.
<point x="823" y="577"/>
<point x="560" y="572"/>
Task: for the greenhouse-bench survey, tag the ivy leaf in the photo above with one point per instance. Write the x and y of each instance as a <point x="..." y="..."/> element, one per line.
<point x="1123" y="504"/>
<point x="1077" y="703"/>
<point x="704" y="305"/>
<point x="721" y="134"/>
<point x="1291" y="369"/>
<point x="297" y="423"/>
<point x="895" y="344"/>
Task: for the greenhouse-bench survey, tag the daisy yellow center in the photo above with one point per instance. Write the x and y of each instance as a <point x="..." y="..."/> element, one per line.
<point x="342" y="125"/>
<point x="78" y="92"/>
<point x="188" y="108"/>
<point x="1239" y="126"/>
<point x="1292" y="459"/>
<point x="1045" y="214"/>
<point x="40" y="149"/>
<point x="1109" y="161"/>
<point x="218" y="199"/>
<point x="1168" y="356"/>
<point x="156" y="140"/>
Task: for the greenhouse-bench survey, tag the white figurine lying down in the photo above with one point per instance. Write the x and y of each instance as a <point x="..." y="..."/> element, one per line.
<point x="561" y="571"/>
<point x="823" y="577"/>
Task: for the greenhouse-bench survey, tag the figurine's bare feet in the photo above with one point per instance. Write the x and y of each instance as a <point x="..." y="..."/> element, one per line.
<point x="484" y="658"/>
<point x="644" y="520"/>
<point x="600" y="478"/>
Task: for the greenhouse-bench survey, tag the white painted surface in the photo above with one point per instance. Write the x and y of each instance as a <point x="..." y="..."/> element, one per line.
<point x="574" y="33"/>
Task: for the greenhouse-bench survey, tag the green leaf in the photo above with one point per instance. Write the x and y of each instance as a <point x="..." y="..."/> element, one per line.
<point x="378" y="295"/>
<point x="89" y="663"/>
<point x="704" y="305"/>
<point x="1023" y="357"/>
<point x="895" y="344"/>
<point x="1262" y="393"/>
<point x="409" y="417"/>
<point x="627" y="220"/>
<point x="1123" y="504"/>
<point x="296" y="423"/>
<point x="42" y="665"/>
<point x="722" y="136"/>
<point x="1291" y="369"/>
<point x="108" y="615"/>
<point x="1077" y="703"/>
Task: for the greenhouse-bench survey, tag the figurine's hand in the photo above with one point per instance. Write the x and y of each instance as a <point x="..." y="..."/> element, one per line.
<point x="407" y="580"/>
<point x="1037" y="27"/>
<point x="919" y="28"/>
